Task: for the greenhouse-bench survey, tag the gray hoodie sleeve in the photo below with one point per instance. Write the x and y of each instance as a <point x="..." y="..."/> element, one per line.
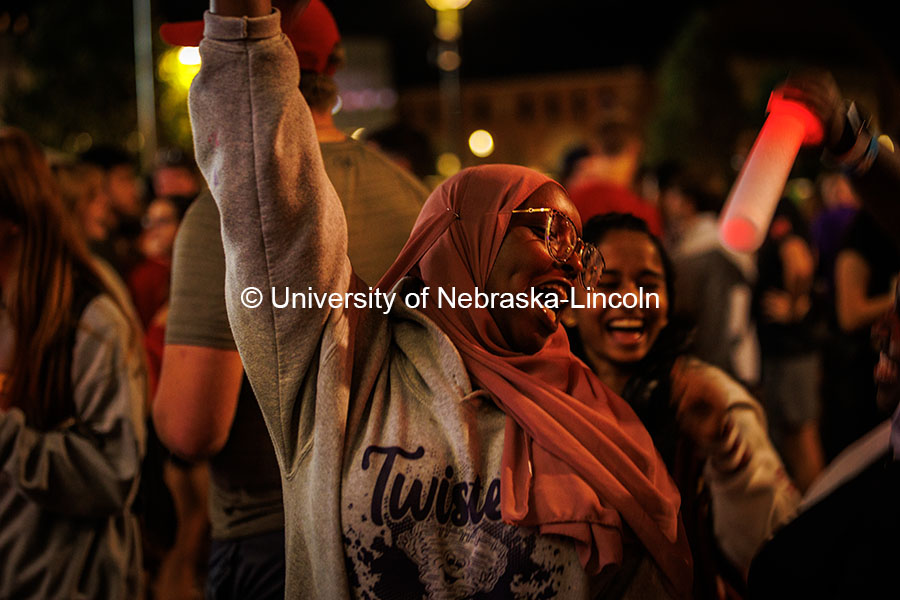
<point x="88" y="466"/>
<point x="282" y="223"/>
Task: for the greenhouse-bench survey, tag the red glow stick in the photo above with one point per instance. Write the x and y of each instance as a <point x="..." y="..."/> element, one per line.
<point x="755" y="194"/>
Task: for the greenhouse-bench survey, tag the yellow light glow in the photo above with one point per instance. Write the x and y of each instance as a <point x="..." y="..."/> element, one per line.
<point x="448" y="164"/>
<point x="447" y="27"/>
<point x="176" y="73"/>
<point x="448" y="4"/>
<point x="358" y="133"/>
<point x="189" y="55"/>
<point x="886" y="141"/>
<point x="174" y="81"/>
<point x="447" y="31"/>
<point x="481" y="143"/>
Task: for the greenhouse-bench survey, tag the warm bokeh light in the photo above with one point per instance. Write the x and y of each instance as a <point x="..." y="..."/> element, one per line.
<point x="481" y="143"/>
<point x="358" y="133"/>
<point x="447" y="27"/>
<point x="174" y="71"/>
<point x="448" y="164"/>
<point x="79" y="142"/>
<point x="175" y="79"/>
<point x="448" y="4"/>
<point x="189" y="55"/>
<point x="448" y="60"/>
<point x="886" y="141"/>
<point x="135" y="142"/>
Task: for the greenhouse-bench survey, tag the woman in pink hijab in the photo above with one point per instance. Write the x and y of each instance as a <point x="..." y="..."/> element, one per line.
<point x="597" y="465"/>
<point x="428" y="448"/>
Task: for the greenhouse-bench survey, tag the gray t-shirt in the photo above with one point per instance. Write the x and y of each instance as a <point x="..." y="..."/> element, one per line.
<point x="381" y="202"/>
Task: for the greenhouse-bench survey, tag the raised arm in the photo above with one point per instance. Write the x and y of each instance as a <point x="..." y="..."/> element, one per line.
<point x="240" y="8"/>
<point x="282" y="224"/>
<point x="875" y="169"/>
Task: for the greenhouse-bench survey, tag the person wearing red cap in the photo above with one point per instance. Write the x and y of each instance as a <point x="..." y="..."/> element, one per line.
<point x="602" y="175"/>
<point x="205" y="406"/>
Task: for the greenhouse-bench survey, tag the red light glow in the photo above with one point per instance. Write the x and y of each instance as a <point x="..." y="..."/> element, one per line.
<point x="760" y="184"/>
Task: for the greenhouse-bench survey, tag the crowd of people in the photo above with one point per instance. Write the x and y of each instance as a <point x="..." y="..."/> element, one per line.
<point x="161" y="438"/>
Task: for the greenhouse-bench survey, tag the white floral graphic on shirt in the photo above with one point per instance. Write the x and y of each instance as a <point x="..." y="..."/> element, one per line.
<point x="454" y="562"/>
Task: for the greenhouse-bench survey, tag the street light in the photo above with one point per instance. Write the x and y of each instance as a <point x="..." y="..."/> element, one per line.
<point x="447" y="31"/>
<point x="448" y="4"/>
<point x="481" y="143"/>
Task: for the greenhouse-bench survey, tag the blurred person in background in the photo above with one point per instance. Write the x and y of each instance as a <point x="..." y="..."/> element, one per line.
<point x="839" y="206"/>
<point x="120" y="185"/>
<point x="72" y="399"/>
<point x="176" y="566"/>
<point x="406" y="146"/>
<point x="791" y="363"/>
<point x="174" y="175"/>
<point x="709" y="430"/>
<point x="865" y="270"/>
<point x="149" y="280"/>
<point x="713" y="285"/>
<point x="84" y="196"/>
<point x="844" y="542"/>
<point x="205" y="407"/>
<point x="601" y="178"/>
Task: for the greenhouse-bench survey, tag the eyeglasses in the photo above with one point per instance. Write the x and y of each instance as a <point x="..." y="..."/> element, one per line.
<point x="561" y="238"/>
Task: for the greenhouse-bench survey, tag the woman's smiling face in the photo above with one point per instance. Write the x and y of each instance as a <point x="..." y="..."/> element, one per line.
<point x="523" y="263"/>
<point x="622" y="336"/>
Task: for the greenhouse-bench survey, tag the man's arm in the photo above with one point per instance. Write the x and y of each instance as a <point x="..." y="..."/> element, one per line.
<point x="196" y="399"/>
<point x="201" y="375"/>
<point x="854" y="308"/>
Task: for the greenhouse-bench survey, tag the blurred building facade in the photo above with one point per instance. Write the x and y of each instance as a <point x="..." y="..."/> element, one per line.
<point x="533" y="120"/>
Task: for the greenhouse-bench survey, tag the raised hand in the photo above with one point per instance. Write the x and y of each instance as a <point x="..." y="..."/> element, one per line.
<point x="819" y="92"/>
<point x="240" y="8"/>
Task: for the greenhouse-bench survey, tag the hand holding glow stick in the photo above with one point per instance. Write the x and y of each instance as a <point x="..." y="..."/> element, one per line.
<point x="754" y="197"/>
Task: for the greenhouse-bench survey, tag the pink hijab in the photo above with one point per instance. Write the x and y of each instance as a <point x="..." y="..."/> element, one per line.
<point x="576" y="459"/>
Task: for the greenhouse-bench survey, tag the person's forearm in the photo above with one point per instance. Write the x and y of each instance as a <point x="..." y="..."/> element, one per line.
<point x="853" y="315"/>
<point x="196" y="399"/>
<point x="240" y="8"/>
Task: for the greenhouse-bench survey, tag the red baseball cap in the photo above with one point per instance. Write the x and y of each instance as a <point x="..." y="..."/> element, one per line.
<point x="312" y="31"/>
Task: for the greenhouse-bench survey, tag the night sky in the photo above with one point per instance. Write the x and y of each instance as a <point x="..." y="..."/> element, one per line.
<point x="514" y="37"/>
<point x="84" y="51"/>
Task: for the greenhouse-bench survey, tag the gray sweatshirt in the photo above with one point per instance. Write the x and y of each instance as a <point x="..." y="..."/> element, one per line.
<point x="66" y="527"/>
<point x="390" y="462"/>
